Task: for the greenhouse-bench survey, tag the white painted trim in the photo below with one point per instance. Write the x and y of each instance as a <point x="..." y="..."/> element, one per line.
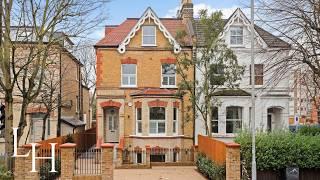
<point x="149" y="14"/>
<point x="239" y="14"/>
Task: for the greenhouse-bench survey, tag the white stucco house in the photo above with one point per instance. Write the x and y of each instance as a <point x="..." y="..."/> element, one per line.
<point x="272" y="91"/>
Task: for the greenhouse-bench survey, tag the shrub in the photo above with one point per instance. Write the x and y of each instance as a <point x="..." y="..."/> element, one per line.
<point x="209" y="168"/>
<point x="46" y="168"/>
<point x="309" y="130"/>
<point x="5" y="174"/>
<point x="278" y="150"/>
<point x="69" y="139"/>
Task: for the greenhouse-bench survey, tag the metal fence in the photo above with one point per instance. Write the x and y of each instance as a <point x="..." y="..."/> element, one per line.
<point x="45" y="164"/>
<point x="87" y="162"/>
<point x="134" y="156"/>
<point x="4" y="156"/>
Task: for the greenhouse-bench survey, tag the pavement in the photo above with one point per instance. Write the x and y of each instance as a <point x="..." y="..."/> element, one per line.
<point x="159" y="173"/>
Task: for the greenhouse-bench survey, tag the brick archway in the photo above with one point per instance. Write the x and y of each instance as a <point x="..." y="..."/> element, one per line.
<point x="110" y="103"/>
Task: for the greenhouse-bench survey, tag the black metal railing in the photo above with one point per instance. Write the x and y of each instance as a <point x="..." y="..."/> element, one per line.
<point x="87" y="162"/>
<point x="46" y="164"/>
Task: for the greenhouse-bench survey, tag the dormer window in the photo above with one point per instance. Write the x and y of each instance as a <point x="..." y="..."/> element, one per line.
<point x="236" y="35"/>
<point x="148" y="36"/>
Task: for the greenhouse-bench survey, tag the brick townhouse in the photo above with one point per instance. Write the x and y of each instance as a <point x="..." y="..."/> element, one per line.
<point x="75" y="97"/>
<point x="137" y="83"/>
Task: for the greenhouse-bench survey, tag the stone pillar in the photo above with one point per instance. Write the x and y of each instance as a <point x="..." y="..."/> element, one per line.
<point x="233" y="161"/>
<point x="148" y="153"/>
<point x="67" y="160"/>
<point x="107" y="161"/>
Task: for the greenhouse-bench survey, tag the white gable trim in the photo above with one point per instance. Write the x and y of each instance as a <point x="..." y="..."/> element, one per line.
<point x="149" y="14"/>
<point x="238" y="14"/>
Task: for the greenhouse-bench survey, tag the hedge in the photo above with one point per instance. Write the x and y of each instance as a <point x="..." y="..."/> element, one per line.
<point x="209" y="168"/>
<point x="313" y="130"/>
<point x="4" y="174"/>
<point x="278" y="150"/>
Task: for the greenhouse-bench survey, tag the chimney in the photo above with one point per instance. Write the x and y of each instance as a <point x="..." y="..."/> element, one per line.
<point x="186" y="10"/>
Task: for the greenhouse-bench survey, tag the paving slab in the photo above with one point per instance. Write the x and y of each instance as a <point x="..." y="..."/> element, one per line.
<point x="159" y="173"/>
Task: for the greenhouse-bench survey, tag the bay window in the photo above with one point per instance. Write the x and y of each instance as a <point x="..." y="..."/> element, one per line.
<point x="234" y="119"/>
<point x="157" y="118"/>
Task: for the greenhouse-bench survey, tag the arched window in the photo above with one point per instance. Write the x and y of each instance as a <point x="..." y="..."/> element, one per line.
<point x="233" y="119"/>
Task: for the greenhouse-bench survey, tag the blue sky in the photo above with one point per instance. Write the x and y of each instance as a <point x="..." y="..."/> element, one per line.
<point x="119" y="10"/>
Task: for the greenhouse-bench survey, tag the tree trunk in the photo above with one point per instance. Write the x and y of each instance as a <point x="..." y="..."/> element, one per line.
<point x="23" y="120"/>
<point x="9" y="131"/>
<point x="44" y="127"/>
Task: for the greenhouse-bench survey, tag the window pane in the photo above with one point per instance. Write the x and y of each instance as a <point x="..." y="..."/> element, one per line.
<point x="125" y="80"/>
<point x="149" y="40"/>
<point x="138" y="113"/>
<point x="229" y="127"/>
<point x="214" y="126"/>
<point x="172" y="81"/>
<point x="149" y="30"/>
<point x="234" y="112"/>
<point x="128" y="69"/>
<point x="174" y="113"/>
<point x="153" y="127"/>
<point x="165" y="80"/>
<point x="169" y="69"/>
<point x="139" y="127"/>
<point x="214" y="113"/>
<point x="174" y="126"/>
<point x="132" y="80"/>
<point x="161" y="127"/>
<point x="157" y="113"/>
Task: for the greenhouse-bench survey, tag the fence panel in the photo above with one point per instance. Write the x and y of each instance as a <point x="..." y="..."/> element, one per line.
<point x="214" y="149"/>
<point x="87" y="162"/>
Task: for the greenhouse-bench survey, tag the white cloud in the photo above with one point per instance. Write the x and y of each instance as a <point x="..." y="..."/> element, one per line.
<point x="197" y="7"/>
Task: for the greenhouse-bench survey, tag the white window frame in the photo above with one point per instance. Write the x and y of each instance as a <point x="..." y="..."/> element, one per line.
<point x="176" y="121"/>
<point x="158" y="121"/>
<point x="242" y="36"/>
<point x="234" y="120"/>
<point x="138" y="121"/>
<point x="175" y="78"/>
<point x="128" y="85"/>
<point x="155" y="36"/>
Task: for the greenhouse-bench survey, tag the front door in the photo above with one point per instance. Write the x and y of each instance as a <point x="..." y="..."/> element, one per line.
<point x="111" y="125"/>
<point x="269" y="123"/>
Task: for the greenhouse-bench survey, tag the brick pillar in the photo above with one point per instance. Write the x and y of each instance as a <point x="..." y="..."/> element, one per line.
<point x="233" y="161"/>
<point x="23" y="165"/>
<point x="107" y="161"/>
<point x="148" y="153"/>
<point x="195" y="152"/>
<point x="119" y="156"/>
<point x="67" y="160"/>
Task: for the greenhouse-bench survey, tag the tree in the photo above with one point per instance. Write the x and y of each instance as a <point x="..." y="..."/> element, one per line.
<point x="298" y="23"/>
<point x="32" y="26"/>
<point x="215" y="64"/>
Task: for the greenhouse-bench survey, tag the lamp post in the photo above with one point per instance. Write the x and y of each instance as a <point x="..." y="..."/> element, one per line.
<point x="253" y="124"/>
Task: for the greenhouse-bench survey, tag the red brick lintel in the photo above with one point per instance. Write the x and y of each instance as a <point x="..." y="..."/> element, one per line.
<point x="128" y="61"/>
<point x="168" y="61"/>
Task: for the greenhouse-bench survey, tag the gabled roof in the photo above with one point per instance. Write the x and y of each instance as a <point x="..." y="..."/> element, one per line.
<point x="263" y="36"/>
<point x="120" y="36"/>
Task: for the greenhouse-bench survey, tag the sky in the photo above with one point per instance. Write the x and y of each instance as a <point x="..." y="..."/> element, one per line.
<point x="119" y="10"/>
